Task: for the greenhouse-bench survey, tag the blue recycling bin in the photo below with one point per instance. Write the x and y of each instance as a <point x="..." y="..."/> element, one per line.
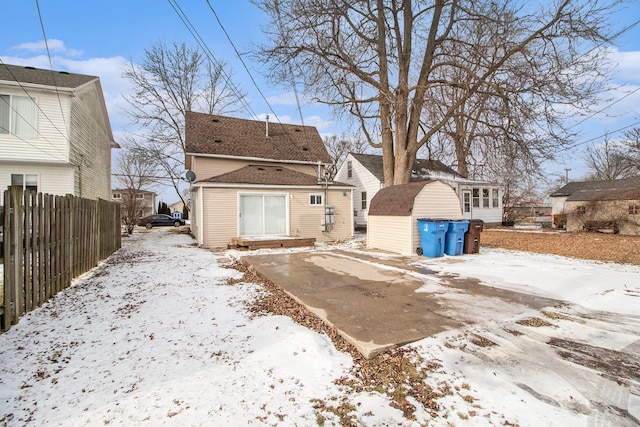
<point x="454" y="239"/>
<point x="432" y="233"/>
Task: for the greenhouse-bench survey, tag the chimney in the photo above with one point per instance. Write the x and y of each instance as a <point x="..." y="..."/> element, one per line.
<point x="267" y="126"/>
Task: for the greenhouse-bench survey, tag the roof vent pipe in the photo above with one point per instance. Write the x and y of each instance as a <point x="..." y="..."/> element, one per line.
<point x="267" y="126"/>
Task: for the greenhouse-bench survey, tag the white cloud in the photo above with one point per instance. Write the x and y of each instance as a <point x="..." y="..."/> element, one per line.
<point x="55" y="46"/>
<point x="628" y="65"/>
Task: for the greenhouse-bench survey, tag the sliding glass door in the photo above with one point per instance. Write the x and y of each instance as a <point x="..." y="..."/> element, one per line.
<point x="263" y="214"/>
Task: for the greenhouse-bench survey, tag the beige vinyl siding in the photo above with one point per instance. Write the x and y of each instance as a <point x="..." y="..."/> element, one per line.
<point x="90" y="144"/>
<point x="50" y="143"/>
<point x="391" y="233"/>
<point x="436" y="200"/>
<point x="52" y="179"/>
<point x="306" y="220"/>
<point x="207" y="167"/>
<point x="219" y="216"/>
<point x="603" y="210"/>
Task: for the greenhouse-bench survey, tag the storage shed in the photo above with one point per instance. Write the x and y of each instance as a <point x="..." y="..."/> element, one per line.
<point x="394" y="213"/>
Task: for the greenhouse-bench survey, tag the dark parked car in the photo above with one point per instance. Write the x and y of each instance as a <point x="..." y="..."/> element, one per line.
<point x="159" y="220"/>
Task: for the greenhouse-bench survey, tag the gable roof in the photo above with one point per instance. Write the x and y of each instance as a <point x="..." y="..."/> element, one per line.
<point x="37" y="76"/>
<point x="590" y="190"/>
<point x="220" y="136"/>
<point x="397" y="200"/>
<point x="373" y="163"/>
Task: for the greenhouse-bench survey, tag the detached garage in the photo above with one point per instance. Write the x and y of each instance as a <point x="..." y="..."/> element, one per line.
<point x="394" y="213"/>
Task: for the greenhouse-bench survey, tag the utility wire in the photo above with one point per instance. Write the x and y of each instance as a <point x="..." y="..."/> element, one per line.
<point x="251" y="76"/>
<point x="53" y="76"/>
<point x="211" y="57"/>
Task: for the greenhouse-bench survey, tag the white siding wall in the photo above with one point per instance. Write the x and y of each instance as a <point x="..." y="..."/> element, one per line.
<point x="362" y="180"/>
<point x="50" y="144"/>
<point x="391" y="233"/>
<point x="488" y="215"/>
<point x="557" y="205"/>
<point x="90" y="144"/>
<point x="52" y="179"/>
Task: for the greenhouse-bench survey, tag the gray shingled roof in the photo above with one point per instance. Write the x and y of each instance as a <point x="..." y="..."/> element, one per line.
<point x="228" y="136"/>
<point x="31" y="75"/>
<point x="373" y="163"/>
<point x="619" y="189"/>
<point x="397" y="200"/>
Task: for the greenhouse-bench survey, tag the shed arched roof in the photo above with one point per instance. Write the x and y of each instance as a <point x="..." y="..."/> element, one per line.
<point x="397" y="200"/>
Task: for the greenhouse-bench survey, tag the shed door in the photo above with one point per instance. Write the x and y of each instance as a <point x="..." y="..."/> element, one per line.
<point x="466" y="204"/>
<point x="263" y="214"/>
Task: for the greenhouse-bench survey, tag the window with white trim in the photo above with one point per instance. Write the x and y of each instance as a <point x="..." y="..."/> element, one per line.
<point x="363" y="197"/>
<point x="496" y="199"/>
<point x="315" y="199"/>
<point x="139" y="196"/>
<point x="27" y="181"/>
<point x="634" y="210"/>
<point x="18" y="116"/>
<point x="349" y="169"/>
<point x="117" y="196"/>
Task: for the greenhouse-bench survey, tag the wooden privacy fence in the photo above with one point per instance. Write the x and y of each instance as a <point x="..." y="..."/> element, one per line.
<point x="49" y="240"/>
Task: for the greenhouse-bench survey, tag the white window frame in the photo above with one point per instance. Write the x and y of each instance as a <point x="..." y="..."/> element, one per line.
<point x="316" y="199"/>
<point x="139" y="195"/>
<point x="19" y="123"/>
<point x="24" y="180"/>
<point x="254" y="193"/>
<point x="117" y="195"/>
<point x="349" y="169"/>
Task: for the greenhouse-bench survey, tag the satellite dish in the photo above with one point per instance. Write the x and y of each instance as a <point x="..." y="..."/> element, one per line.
<point x="191" y="176"/>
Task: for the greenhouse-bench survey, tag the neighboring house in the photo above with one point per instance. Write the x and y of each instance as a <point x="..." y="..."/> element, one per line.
<point x="478" y="199"/>
<point x="256" y="179"/>
<point x="600" y="205"/>
<point x="55" y="132"/>
<point x="142" y="202"/>
<point x="177" y="207"/>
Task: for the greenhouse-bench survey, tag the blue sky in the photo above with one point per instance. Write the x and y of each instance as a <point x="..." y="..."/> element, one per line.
<point x="99" y="38"/>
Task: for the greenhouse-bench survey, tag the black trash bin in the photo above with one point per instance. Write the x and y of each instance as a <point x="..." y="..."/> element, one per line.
<point x="472" y="236"/>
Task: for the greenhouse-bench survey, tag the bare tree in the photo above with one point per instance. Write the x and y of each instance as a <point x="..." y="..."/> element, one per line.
<point x="135" y="174"/>
<point x="607" y="161"/>
<point x="407" y="70"/>
<point x="632" y="151"/>
<point x="169" y="82"/>
<point x="339" y="146"/>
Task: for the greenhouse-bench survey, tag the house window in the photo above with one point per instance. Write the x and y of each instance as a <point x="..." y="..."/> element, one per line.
<point x="139" y="196"/>
<point x="27" y="181"/>
<point x="496" y="200"/>
<point x="18" y="115"/>
<point x="363" y="197"/>
<point x="315" y="199"/>
<point x="581" y="210"/>
<point x="466" y="201"/>
<point x="634" y="209"/>
<point x="349" y="169"/>
<point x="485" y="197"/>
<point x="476" y="197"/>
<point x="117" y="196"/>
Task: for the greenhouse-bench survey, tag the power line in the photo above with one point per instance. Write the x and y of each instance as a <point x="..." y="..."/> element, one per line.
<point x="254" y="81"/>
<point x="605" y="108"/>
<point x="571" y="146"/>
<point x="210" y="56"/>
<point x="53" y="76"/>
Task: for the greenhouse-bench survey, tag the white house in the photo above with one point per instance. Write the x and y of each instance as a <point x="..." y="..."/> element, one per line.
<point x="54" y="132"/>
<point x="478" y="199"/>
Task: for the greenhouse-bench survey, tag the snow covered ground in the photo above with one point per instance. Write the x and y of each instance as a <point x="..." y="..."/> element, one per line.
<point x="156" y="335"/>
